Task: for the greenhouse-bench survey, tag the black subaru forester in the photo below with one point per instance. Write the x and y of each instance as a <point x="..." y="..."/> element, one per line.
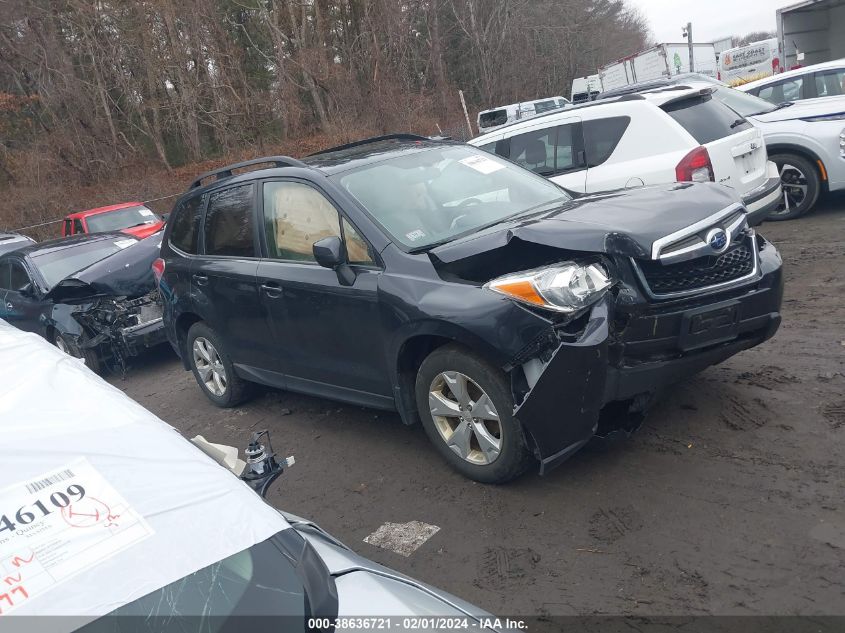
<point x="461" y="290"/>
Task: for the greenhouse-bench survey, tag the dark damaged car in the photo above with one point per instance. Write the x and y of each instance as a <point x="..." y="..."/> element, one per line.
<point x="93" y="296"/>
<point x="462" y="291"/>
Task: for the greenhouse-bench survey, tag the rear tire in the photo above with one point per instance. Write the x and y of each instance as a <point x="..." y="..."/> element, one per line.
<point x="801" y="186"/>
<point x="476" y="431"/>
<point x="213" y="368"/>
<point x="86" y="354"/>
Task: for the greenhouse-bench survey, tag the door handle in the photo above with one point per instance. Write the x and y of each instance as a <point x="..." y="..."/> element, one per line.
<point x="271" y="289"/>
<point x="201" y="280"/>
<point x="9" y="306"/>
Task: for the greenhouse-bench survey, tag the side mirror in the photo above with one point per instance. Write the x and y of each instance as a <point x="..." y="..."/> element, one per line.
<point x="164" y="217"/>
<point x="329" y="252"/>
<point x="27" y="290"/>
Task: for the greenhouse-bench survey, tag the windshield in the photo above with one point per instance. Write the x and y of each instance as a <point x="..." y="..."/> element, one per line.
<point x="742" y="103"/>
<point x="55" y="265"/>
<point x="432" y="196"/>
<point x="262" y="582"/>
<point x="120" y="219"/>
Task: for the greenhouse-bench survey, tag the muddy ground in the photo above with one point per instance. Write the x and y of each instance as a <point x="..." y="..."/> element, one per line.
<point x="728" y="500"/>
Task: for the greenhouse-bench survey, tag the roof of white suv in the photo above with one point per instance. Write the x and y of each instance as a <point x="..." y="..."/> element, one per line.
<point x="836" y="63"/>
<point x="108" y="487"/>
<point x="658" y="97"/>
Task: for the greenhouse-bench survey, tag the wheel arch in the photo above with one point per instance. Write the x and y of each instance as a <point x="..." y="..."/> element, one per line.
<point x="804" y="152"/>
<point x="182" y="324"/>
<point x="413" y="348"/>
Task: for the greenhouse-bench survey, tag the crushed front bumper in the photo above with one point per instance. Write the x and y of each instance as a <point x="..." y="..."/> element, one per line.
<point x="630" y="350"/>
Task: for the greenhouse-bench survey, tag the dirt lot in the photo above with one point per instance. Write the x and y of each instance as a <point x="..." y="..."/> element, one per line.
<point x="727" y="501"/>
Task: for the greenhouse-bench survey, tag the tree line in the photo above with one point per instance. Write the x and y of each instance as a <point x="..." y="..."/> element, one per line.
<point x="92" y="85"/>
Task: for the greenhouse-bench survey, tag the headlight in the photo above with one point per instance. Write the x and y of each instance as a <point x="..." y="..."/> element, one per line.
<point x="566" y="287"/>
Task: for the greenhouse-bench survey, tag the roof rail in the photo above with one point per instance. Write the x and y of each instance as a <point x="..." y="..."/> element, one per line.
<point x="226" y="172"/>
<point x="374" y="139"/>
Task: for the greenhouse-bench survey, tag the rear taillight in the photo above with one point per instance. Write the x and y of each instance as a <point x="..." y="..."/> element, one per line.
<point x="695" y="167"/>
<point x="158" y="269"/>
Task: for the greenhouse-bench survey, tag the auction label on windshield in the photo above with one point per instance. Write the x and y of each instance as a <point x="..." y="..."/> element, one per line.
<point x="482" y="164"/>
<point x="57" y="525"/>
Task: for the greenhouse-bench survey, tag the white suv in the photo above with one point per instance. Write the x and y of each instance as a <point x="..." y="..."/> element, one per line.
<point x="673" y="134"/>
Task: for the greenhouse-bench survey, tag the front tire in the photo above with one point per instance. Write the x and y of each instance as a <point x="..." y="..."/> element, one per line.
<point x="213" y="368"/>
<point x="467" y="411"/>
<point x="69" y="347"/>
<point x="801" y="186"/>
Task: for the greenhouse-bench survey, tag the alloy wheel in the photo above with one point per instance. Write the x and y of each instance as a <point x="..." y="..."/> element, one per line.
<point x="65" y="348"/>
<point x="465" y="417"/>
<point x="209" y="366"/>
<point x="795" y="187"/>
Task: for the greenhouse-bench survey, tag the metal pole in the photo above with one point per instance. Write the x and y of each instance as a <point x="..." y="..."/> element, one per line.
<point x="689" y="44"/>
<point x="464" y="106"/>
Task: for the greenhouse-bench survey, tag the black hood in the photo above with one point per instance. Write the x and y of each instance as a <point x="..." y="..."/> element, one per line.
<point x="624" y="222"/>
<point x="127" y="273"/>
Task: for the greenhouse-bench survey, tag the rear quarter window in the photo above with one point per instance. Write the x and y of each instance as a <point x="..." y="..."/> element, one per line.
<point x="185" y="221"/>
<point x="705" y="118"/>
<point x="601" y="136"/>
<point x="489" y="119"/>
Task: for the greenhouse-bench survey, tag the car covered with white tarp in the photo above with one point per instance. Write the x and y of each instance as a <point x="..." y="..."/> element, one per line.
<point x="112" y="519"/>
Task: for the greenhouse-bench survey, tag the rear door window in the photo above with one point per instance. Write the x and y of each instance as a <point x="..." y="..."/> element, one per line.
<point x="705" y="118"/>
<point x="830" y="83"/>
<point x="186" y="225"/>
<point x="601" y="136"/>
<point x="229" y="222"/>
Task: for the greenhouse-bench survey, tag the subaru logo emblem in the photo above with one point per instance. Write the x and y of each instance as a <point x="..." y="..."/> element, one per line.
<point x="718" y="240"/>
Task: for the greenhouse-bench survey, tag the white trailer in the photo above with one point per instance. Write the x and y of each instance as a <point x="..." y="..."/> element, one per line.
<point x="811" y="32"/>
<point x="663" y="60"/>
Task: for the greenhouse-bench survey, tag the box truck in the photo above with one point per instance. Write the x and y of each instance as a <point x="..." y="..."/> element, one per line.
<point x="811" y="32"/>
<point x="663" y="60"/>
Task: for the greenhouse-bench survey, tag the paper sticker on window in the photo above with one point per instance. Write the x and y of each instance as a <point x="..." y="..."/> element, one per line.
<point x="57" y="525"/>
<point x="415" y="235"/>
<point x="145" y="211"/>
<point x="124" y="243"/>
<point x="482" y="164"/>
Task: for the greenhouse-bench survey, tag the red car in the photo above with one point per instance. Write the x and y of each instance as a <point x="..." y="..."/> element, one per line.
<point x="128" y="217"/>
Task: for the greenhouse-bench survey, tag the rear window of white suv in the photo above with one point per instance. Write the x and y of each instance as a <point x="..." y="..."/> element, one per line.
<point x="705" y="118"/>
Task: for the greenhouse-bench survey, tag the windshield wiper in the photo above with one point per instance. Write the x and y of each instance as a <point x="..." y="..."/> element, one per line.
<point x="537" y="208"/>
<point x="780" y="106"/>
<point x="737" y="123"/>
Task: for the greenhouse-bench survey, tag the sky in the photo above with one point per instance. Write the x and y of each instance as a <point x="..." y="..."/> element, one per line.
<point x="711" y="19"/>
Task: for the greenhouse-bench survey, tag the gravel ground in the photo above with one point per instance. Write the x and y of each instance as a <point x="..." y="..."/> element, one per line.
<point x="728" y="500"/>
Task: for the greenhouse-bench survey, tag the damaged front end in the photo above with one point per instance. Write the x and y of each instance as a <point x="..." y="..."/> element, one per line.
<point x="111" y="310"/>
<point x="676" y="305"/>
<point x="119" y="328"/>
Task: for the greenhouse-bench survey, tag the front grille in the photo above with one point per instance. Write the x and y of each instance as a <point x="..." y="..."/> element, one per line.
<point x="700" y="273"/>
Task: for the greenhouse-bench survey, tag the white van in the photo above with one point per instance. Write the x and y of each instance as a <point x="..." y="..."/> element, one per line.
<point x="489" y="120"/>
<point x="748" y="63"/>
<point x="585" y="88"/>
